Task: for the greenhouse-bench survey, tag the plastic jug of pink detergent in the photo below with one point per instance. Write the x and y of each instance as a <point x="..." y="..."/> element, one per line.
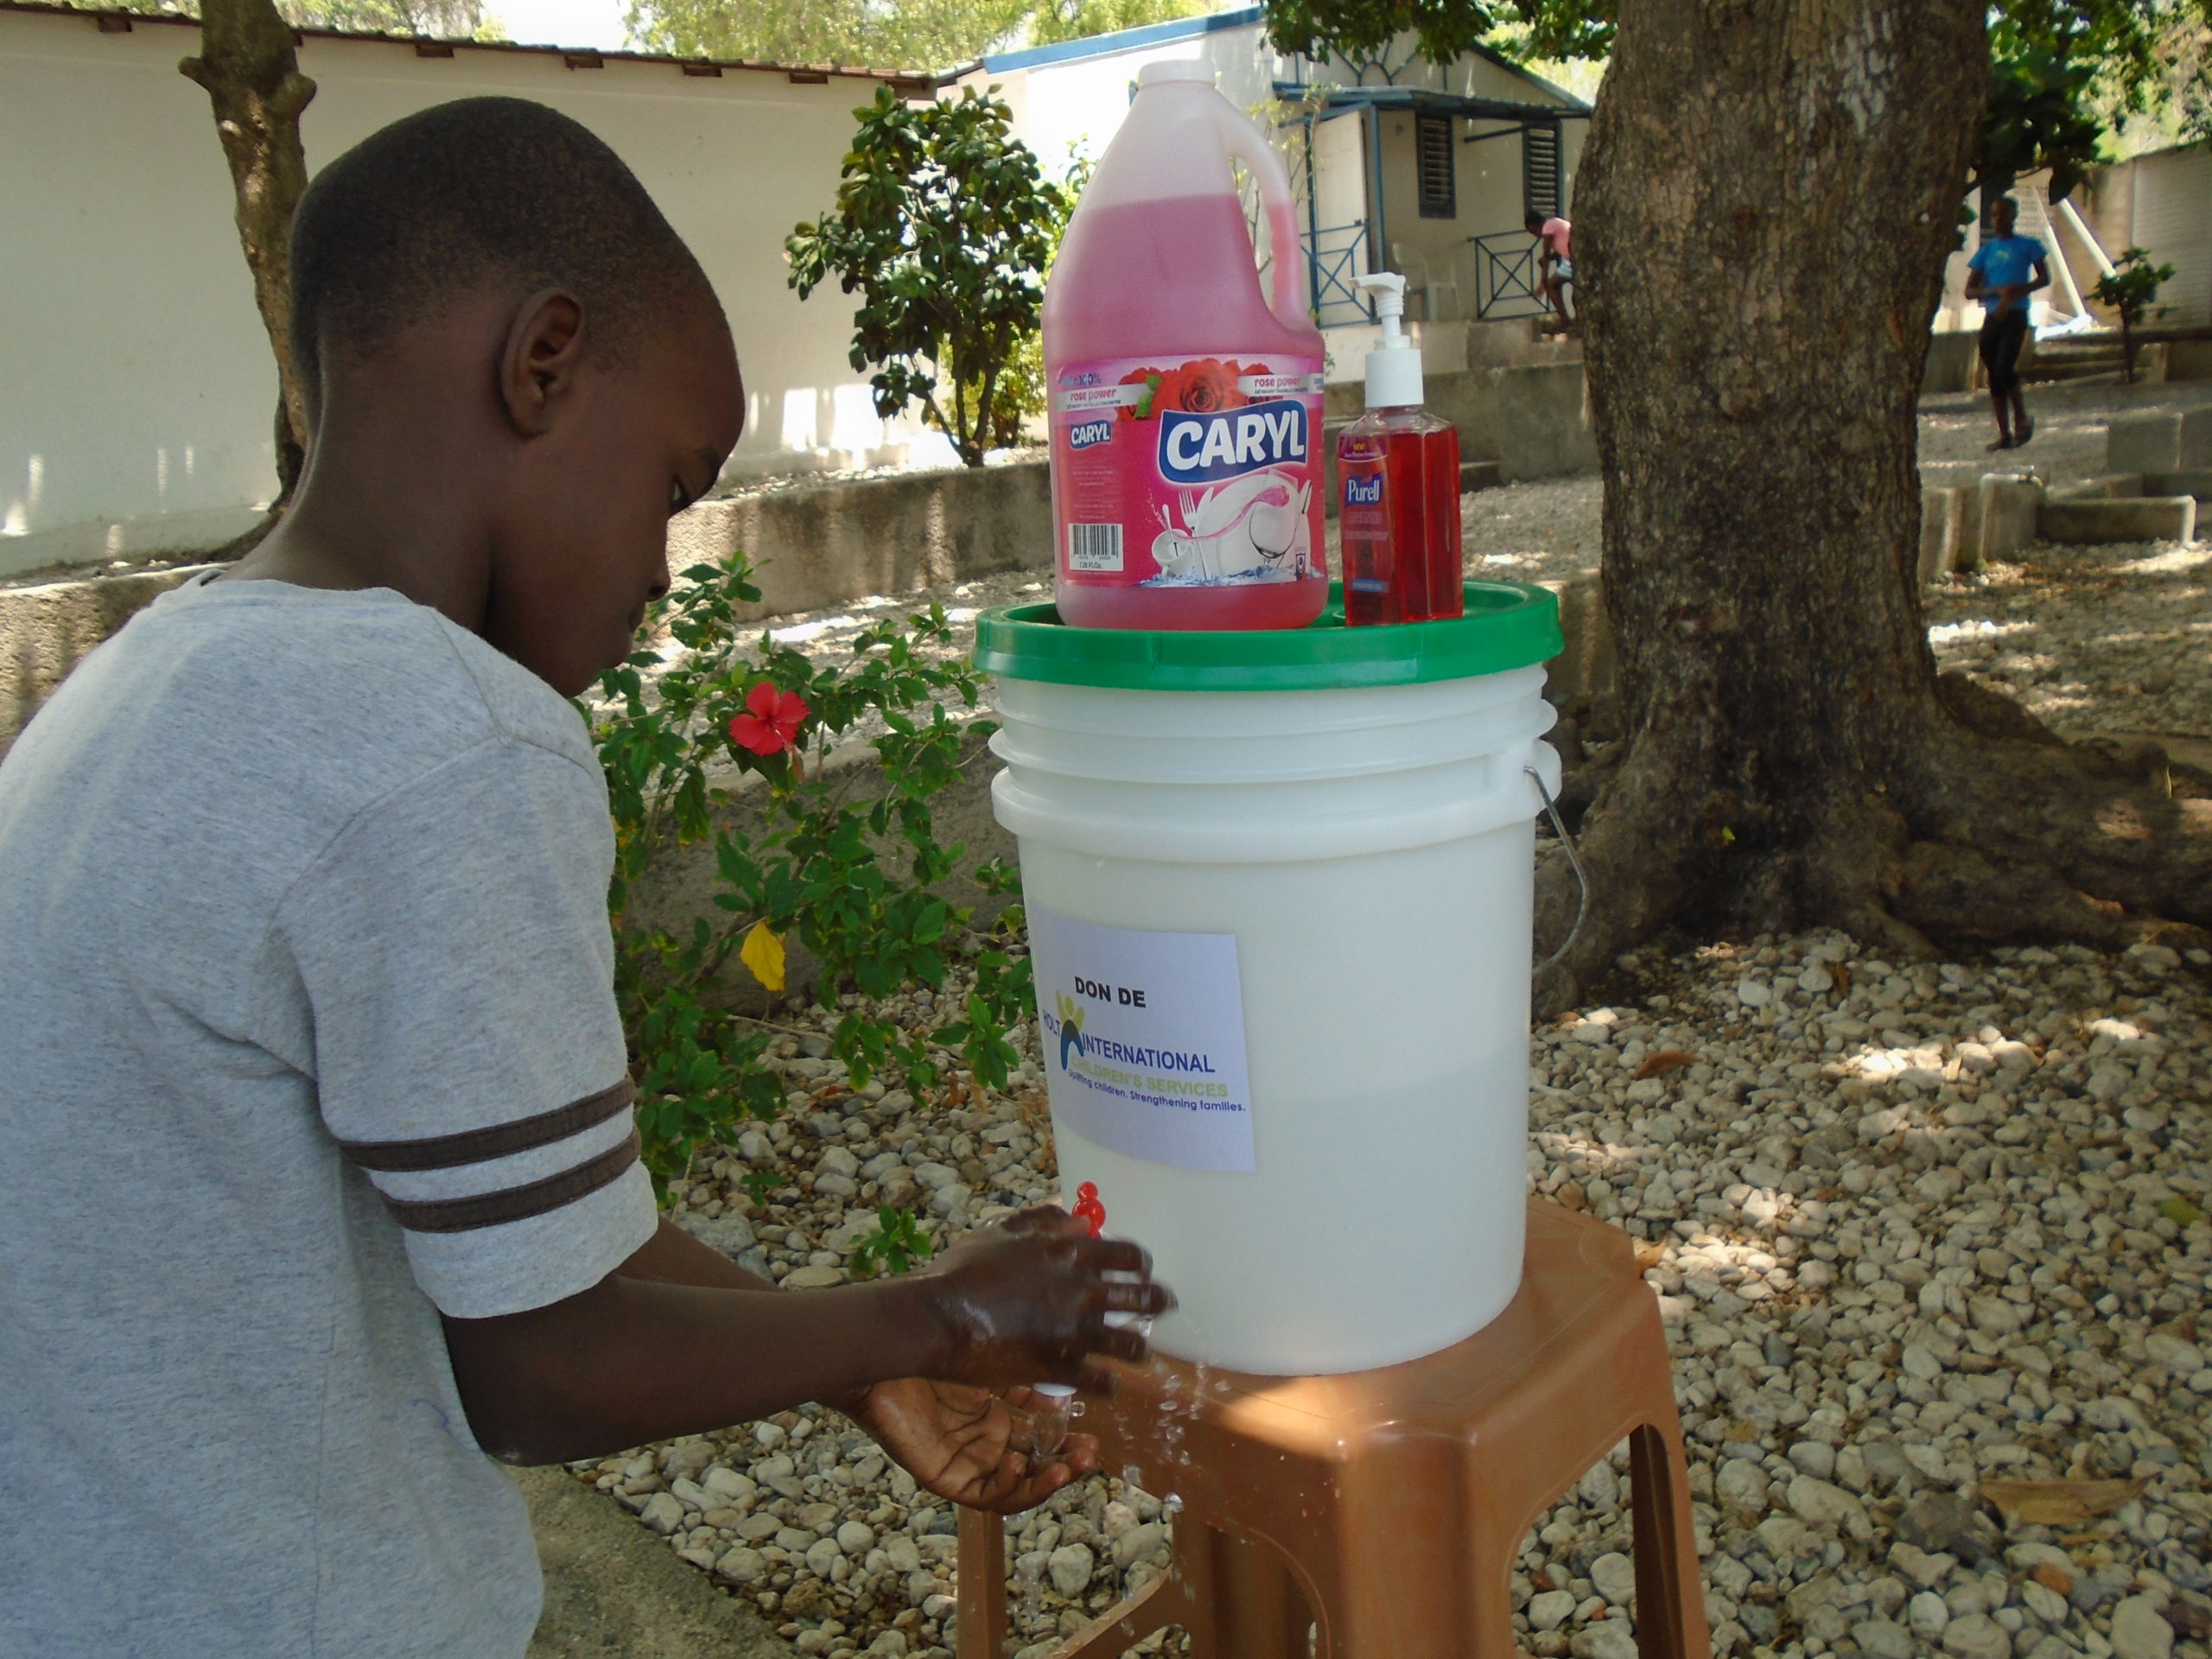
<point x="1185" y="404"/>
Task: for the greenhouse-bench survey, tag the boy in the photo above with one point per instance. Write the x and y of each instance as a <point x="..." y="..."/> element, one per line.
<point x="317" y="1177"/>
<point x="1999" y="275"/>
<point x="1555" y="265"/>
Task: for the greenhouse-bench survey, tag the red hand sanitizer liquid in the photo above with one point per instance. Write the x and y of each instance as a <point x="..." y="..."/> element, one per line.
<point x="1186" y="406"/>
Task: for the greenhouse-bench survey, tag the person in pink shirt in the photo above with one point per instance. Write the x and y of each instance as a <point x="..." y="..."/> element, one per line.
<point x="1556" y="264"/>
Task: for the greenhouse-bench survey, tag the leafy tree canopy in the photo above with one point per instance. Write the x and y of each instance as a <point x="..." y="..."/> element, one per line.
<point x="943" y="226"/>
<point x="2062" y="71"/>
<point x="453" y="20"/>
<point x="909" y="34"/>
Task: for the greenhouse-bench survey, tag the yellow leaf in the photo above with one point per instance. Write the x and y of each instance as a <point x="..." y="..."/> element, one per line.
<point x="763" y="952"/>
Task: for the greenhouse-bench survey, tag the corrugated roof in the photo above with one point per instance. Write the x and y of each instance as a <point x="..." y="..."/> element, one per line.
<point x="920" y="82"/>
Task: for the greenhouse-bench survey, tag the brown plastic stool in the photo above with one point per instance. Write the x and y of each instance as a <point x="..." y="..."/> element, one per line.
<point x="1385" y="1507"/>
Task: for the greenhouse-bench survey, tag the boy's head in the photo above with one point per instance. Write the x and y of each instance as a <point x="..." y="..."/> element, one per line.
<point x="2004" y="213"/>
<point x="1534" y="221"/>
<point x="491" y="270"/>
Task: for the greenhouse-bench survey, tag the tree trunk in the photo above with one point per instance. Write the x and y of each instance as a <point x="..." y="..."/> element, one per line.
<point x="1767" y="198"/>
<point x="252" y="77"/>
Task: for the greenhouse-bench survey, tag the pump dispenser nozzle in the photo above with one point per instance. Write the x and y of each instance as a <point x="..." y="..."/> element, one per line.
<point x="1394" y="368"/>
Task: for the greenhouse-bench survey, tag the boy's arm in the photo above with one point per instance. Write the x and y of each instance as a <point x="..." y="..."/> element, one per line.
<point x="952" y="1438"/>
<point x="651" y="1351"/>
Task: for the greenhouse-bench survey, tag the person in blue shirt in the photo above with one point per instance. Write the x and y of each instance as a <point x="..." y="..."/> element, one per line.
<point x="2004" y="269"/>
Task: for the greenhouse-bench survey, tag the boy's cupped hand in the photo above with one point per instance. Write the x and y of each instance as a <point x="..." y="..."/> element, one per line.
<point x="1023" y="1302"/>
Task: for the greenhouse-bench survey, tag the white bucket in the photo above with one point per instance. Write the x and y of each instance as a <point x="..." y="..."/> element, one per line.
<point x="1370" y="850"/>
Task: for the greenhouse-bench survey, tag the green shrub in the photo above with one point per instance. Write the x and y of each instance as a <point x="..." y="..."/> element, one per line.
<point x="854" y="882"/>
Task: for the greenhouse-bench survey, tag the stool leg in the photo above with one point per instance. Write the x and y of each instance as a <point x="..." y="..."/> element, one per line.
<point x="1261" y="1613"/>
<point x="983" y="1586"/>
<point x="1669" y="1601"/>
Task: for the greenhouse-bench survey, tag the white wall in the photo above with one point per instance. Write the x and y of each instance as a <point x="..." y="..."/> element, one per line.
<point x="139" y="391"/>
<point x="2170" y="214"/>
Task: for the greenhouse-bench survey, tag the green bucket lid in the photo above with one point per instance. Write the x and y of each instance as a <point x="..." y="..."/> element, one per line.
<point x="1508" y="624"/>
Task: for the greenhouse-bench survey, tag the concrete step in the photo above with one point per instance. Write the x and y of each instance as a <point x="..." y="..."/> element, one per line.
<point x="1478" y="475"/>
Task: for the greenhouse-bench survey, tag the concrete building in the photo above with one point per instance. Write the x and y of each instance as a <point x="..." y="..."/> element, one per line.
<point x="1400" y="164"/>
<point x="2162" y="201"/>
<point x="139" y="389"/>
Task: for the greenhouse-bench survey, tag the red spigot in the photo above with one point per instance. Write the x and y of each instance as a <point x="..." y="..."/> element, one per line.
<point x="1088" y="1206"/>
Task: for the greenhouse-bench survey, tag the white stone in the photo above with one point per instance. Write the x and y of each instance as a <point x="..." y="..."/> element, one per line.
<point x="855" y="1537"/>
<point x="1607" y="1639"/>
<point x="1549" y="1610"/>
<point x="1599" y="1487"/>
<point x="1918" y="1361"/>
<point x="1977" y="1636"/>
<point x="1614" y="1577"/>
<point x="664" y="1513"/>
<point x="2138" y="1631"/>
<point x="935" y="1175"/>
<point x="1927" y="1614"/>
<point x="889" y="1644"/>
<point x="838" y="1161"/>
<point x="822" y="1555"/>
<point x="743" y="1566"/>
<point x="2045" y="1603"/>
<point x="1742" y="1485"/>
<point x="906" y="1555"/>
<point x="1923" y="1569"/>
<point x="691" y="1494"/>
<point x="768" y="1436"/>
<point x="738" y="1489"/>
<point x="1753" y="994"/>
<point x="814" y="1278"/>
<point x="1816" y="1458"/>
<point x="1070" y="1567"/>
<point x="1882" y="1639"/>
<point x="1139" y="1543"/>
<point x="1822" y="1504"/>
<point x="2184" y="1359"/>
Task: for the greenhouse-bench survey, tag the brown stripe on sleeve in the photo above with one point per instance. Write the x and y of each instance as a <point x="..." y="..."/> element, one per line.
<point x="493" y="1141"/>
<point x="515" y="1203"/>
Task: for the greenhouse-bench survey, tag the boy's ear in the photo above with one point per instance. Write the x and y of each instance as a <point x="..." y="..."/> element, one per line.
<point x="544" y="350"/>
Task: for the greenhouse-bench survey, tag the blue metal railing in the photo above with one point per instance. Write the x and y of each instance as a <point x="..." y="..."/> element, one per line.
<point x="1333" y="260"/>
<point x="1505" y="276"/>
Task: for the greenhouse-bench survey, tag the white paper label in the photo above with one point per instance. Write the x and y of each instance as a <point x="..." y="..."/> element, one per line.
<point x="1144" y="1040"/>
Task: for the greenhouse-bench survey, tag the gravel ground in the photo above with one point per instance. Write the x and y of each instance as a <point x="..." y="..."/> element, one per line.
<point x="2113" y="639"/>
<point x="1912" y="1228"/>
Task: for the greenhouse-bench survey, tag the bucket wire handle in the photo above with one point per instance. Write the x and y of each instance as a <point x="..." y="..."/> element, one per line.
<point x="1575" y="859"/>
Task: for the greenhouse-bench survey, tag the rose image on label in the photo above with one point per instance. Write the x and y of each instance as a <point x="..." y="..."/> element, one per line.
<point x="1201" y="473"/>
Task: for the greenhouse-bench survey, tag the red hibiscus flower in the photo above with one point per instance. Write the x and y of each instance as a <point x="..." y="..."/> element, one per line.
<point x="1205" y="387"/>
<point x="771" y="721"/>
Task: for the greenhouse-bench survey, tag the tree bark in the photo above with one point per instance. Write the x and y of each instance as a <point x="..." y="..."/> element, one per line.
<point x="1767" y="198"/>
<point x="252" y="74"/>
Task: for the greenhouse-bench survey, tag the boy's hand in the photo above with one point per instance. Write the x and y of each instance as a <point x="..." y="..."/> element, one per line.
<point x="956" y="1439"/>
<point x="1026" y="1302"/>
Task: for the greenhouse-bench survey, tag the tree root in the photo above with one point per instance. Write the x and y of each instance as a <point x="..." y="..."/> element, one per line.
<point x="1993" y="830"/>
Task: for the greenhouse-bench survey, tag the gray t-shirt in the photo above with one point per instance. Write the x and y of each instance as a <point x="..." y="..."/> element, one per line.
<point x="306" y="1032"/>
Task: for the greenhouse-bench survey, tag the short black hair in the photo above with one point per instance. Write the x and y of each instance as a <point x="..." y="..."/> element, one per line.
<point x="478" y="191"/>
<point x="1533" y="218"/>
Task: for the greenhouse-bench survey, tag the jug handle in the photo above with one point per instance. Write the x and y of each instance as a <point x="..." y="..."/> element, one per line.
<point x="1287" y="300"/>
